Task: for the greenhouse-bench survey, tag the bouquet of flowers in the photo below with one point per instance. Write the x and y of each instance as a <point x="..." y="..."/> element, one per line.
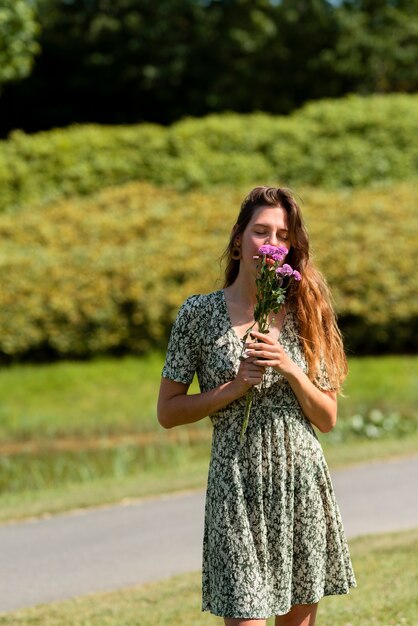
<point x="272" y="281"/>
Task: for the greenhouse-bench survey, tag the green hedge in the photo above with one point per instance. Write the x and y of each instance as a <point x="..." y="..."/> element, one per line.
<point x="350" y="142"/>
<point x="108" y="273"/>
<point x="77" y="160"/>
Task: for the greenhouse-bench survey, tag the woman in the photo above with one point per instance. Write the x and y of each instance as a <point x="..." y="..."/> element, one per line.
<point x="274" y="542"/>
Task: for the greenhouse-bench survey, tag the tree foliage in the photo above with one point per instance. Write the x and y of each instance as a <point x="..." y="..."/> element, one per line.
<point x="377" y="46"/>
<point x="136" y="60"/>
<point x="19" y="31"/>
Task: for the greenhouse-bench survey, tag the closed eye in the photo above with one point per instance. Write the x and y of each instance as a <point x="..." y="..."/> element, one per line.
<point x="260" y="229"/>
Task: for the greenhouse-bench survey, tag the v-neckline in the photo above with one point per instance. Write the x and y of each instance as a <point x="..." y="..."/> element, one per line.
<point x="229" y="320"/>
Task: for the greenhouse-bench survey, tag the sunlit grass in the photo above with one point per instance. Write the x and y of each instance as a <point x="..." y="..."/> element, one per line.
<point x="110" y="395"/>
<point x="79" y="398"/>
<point x="77" y="434"/>
<point x="386" y="568"/>
<point x="91" y="481"/>
<point x="188" y="473"/>
<point x="388" y="383"/>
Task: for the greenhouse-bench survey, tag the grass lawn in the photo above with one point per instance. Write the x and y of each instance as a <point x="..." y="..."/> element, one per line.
<point x="115" y="396"/>
<point x="189" y="471"/>
<point x="79" y="399"/>
<point x="78" y="434"/>
<point x="386" y="568"/>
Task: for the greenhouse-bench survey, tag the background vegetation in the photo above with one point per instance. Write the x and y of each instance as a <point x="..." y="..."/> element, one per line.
<point x="76" y="434"/>
<point x="107" y="274"/>
<point x="351" y="142"/>
<point x="108" y="222"/>
<point x="135" y="60"/>
<point x="386" y="567"/>
<point x="19" y="33"/>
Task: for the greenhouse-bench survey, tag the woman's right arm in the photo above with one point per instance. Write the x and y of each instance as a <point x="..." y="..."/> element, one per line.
<point x="175" y="407"/>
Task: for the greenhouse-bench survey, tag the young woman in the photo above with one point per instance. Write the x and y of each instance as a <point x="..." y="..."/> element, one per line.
<point x="274" y="542"/>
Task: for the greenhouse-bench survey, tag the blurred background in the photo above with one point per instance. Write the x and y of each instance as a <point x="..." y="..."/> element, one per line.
<point x="130" y="133"/>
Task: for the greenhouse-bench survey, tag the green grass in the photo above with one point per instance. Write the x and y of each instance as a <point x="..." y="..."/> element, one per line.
<point x="107" y="396"/>
<point x="77" y="434"/>
<point x="188" y="470"/>
<point x="388" y="383"/>
<point x="386" y="568"/>
<point x="189" y="473"/>
<point x="79" y="399"/>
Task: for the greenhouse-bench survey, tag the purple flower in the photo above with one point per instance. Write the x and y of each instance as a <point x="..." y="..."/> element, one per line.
<point x="266" y="249"/>
<point x="279" y="256"/>
<point x="285" y="270"/>
<point x="276" y="252"/>
<point x="282" y="251"/>
<point x="296" y="275"/>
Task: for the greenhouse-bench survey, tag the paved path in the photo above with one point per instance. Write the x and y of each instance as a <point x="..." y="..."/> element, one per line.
<point x="121" y="545"/>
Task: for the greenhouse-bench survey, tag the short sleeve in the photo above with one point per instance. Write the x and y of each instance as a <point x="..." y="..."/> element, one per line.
<point x="184" y="344"/>
<point x="322" y="380"/>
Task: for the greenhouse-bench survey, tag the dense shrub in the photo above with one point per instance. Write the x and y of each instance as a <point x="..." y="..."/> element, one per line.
<point x="75" y="161"/>
<point x="108" y="273"/>
<point x="355" y="141"/>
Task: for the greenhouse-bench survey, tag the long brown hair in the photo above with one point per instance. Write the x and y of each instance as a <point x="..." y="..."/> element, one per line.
<point x="310" y="298"/>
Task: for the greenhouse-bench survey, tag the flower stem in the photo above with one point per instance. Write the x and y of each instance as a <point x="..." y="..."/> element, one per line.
<point x="248" y="403"/>
<point x="244" y="339"/>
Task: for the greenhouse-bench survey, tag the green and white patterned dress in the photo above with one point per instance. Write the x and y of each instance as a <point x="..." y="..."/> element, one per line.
<point x="273" y="532"/>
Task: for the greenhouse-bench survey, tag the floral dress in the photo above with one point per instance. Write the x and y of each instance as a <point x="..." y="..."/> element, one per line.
<point x="273" y="533"/>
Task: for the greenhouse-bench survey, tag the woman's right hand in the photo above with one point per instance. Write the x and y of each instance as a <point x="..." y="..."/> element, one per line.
<point x="248" y="375"/>
<point x="176" y="407"/>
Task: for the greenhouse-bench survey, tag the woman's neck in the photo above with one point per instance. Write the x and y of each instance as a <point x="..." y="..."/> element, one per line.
<point x="243" y="290"/>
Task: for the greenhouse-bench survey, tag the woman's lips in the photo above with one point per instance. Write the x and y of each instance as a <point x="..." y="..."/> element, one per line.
<point x="269" y="260"/>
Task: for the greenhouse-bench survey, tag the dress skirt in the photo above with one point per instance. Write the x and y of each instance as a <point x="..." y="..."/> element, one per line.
<point x="273" y="534"/>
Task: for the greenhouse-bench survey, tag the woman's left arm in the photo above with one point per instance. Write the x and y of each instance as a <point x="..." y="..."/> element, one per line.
<point x="318" y="405"/>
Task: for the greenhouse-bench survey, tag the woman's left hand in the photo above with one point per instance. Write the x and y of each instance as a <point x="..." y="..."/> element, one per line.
<point x="269" y="353"/>
<point x="318" y="405"/>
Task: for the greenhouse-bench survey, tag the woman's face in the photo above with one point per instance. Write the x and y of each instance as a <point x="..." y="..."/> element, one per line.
<point x="268" y="225"/>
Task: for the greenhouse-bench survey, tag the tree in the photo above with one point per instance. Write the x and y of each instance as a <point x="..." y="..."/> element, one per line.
<point x="119" y="61"/>
<point x="19" y="30"/>
<point x="134" y="60"/>
<point x="377" y="46"/>
<point x="128" y="61"/>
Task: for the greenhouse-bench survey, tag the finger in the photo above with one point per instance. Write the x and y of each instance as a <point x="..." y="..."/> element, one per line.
<point x="262" y="337"/>
<point x="269" y="363"/>
<point x="253" y="380"/>
<point x="255" y="370"/>
<point x="262" y="357"/>
<point x="248" y="360"/>
<point x="264" y="354"/>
